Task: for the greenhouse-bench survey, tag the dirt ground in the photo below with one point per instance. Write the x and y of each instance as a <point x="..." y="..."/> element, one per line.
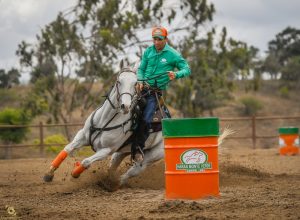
<point x="254" y="184"/>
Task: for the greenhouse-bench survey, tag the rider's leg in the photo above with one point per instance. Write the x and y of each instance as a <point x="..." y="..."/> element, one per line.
<point x="149" y="110"/>
<point x="99" y="155"/>
<point x="145" y="124"/>
<point x="151" y="156"/>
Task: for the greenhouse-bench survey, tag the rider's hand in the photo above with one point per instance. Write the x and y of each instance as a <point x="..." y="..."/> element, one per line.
<point x="171" y="75"/>
<point x="139" y="87"/>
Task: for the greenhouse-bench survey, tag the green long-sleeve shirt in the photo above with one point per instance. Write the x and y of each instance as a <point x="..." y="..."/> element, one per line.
<point x="155" y="63"/>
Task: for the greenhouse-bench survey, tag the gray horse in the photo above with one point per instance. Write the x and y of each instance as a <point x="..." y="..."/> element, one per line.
<point x="108" y="128"/>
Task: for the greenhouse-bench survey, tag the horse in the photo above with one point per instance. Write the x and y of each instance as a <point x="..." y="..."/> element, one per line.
<point x="107" y="129"/>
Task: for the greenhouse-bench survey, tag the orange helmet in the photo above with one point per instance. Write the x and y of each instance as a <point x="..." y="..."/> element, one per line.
<point x="160" y="32"/>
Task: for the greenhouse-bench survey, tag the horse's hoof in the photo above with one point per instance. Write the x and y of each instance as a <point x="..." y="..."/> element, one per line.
<point x="75" y="175"/>
<point x="48" y="178"/>
<point x="110" y="182"/>
<point x="108" y="186"/>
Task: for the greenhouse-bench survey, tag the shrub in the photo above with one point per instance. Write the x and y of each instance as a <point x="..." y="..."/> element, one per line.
<point x="60" y="141"/>
<point x="11" y="116"/>
<point x="54" y="139"/>
<point x="251" y="105"/>
<point x="284" y="92"/>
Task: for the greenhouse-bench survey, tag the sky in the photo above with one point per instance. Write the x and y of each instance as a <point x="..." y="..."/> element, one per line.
<point x="22" y="20"/>
<point x="255" y="22"/>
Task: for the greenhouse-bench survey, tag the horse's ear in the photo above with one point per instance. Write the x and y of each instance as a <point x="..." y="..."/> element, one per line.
<point x="121" y="65"/>
<point x="124" y="63"/>
<point x="136" y="65"/>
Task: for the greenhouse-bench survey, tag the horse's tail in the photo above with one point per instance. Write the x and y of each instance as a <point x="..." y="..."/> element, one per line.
<point x="226" y="132"/>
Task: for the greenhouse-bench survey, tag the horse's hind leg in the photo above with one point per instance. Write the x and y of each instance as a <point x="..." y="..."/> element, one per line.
<point x="116" y="160"/>
<point x="77" y="142"/>
<point x="151" y="156"/>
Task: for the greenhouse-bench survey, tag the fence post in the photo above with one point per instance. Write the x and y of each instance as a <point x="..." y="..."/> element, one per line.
<point x="253" y="131"/>
<point x="41" y="139"/>
<point x="8" y="151"/>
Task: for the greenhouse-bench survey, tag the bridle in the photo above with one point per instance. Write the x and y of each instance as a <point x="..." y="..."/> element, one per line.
<point x="119" y="95"/>
<point x="118" y="83"/>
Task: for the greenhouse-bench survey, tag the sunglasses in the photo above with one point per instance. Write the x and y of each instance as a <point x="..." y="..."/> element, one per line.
<point x="157" y="39"/>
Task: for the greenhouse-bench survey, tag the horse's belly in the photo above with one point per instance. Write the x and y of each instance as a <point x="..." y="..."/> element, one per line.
<point x="112" y="140"/>
<point x="153" y="140"/>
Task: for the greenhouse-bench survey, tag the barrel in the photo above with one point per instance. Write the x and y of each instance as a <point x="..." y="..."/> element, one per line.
<point x="191" y="158"/>
<point x="288" y="141"/>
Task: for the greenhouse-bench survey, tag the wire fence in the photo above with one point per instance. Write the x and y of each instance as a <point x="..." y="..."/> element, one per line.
<point x="254" y="132"/>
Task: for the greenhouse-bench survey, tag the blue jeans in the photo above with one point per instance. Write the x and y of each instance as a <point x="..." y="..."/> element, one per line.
<point x="141" y="133"/>
<point x="149" y="110"/>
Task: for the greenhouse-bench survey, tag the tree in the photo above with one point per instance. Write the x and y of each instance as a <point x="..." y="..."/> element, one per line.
<point x="214" y="66"/>
<point x="286" y="44"/>
<point x="87" y="41"/>
<point x="283" y="52"/>
<point x="291" y="71"/>
<point x="242" y="57"/>
<point x="245" y="64"/>
<point x="36" y="102"/>
<point x="271" y="65"/>
<point x="9" y="78"/>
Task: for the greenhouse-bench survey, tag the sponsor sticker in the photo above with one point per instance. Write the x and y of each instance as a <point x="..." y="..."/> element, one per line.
<point x="281" y="142"/>
<point x="194" y="160"/>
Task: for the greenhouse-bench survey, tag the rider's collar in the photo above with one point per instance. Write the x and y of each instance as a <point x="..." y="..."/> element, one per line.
<point x="166" y="48"/>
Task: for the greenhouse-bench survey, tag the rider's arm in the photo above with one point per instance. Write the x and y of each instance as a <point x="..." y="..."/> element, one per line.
<point x="183" y="67"/>
<point x="143" y="65"/>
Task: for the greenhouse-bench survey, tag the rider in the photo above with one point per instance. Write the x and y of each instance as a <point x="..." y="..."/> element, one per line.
<point x="156" y="70"/>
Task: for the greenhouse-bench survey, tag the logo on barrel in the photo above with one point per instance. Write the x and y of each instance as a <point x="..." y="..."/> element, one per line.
<point x="193" y="160"/>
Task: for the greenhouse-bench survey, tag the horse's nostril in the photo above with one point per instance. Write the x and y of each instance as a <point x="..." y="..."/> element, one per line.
<point x="122" y="106"/>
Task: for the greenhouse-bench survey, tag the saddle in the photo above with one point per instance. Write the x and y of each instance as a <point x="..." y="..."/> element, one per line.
<point x="157" y="117"/>
<point x="137" y="126"/>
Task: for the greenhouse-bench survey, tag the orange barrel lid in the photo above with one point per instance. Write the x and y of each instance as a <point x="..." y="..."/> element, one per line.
<point x="288" y="130"/>
<point x="190" y="127"/>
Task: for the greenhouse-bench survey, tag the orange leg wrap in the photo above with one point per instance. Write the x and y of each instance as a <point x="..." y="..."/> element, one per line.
<point x="78" y="170"/>
<point x="59" y="159"/>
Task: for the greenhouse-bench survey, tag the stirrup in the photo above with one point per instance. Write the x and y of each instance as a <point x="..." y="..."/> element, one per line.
<point x="139" y="156"/>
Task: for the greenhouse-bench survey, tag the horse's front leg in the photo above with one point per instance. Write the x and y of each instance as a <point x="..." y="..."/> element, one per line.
<point x="78" y="141"/>
<point x="151" y="156"/>
<point x="80" y="167"/>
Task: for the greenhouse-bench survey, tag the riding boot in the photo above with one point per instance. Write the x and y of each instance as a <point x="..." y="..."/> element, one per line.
<point x="141" y="137"/>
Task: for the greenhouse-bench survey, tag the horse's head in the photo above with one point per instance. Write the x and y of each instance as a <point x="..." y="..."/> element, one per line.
<point x="126" y="85"/>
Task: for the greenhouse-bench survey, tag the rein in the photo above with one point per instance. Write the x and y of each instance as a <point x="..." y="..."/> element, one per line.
<point x="155" y="77"/>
